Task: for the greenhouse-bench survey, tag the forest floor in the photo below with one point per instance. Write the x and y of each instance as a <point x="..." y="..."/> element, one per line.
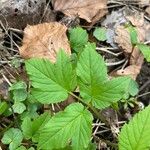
<point x="116" y="49"/>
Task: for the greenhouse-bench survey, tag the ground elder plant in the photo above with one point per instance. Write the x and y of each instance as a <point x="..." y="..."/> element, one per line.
<point x="71" y="128"/>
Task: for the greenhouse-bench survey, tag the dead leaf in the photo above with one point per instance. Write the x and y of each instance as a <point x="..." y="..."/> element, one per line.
<point x="137" y="19"/>
<point x="90" y="10"/>
<point x="44" y="41"/>
<point x="132" y="71"/>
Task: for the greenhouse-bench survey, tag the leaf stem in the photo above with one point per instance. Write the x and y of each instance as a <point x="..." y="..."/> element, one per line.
<point x="98" y="114"/>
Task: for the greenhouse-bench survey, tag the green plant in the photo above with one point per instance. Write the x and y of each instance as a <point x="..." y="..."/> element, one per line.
<point x="52" y="83"/>
<point x="136" y="134"/>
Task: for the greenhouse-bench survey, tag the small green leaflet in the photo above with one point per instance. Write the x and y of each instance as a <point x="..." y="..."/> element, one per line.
<point x="31" y="129"/>
<point x="19" y="107"/>
<point x="78" y="38"/>
<point x="93" y="81"/>
<point x="75" y="123"/>
<point x="21" y="148"/>
<point x="19" y="91"/>
<point x="100" y="34"/>
<point x="51" y="82"/>
<point x="136" y="134"/>
<point x="133" y="88"/>
<point x="3" y="107"/>
<point x="145" y="49"/>
<point x="13" y="137"/>
<point x="133" y="35"/>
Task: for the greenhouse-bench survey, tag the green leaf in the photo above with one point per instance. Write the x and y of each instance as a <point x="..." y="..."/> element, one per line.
<point x="100" y="34"/>
<point x="51" y="82"/>
<point x="32" y="129"/>
<point x="75" y="123"/>
<point x="133" y="88"/>
<point x="31" y="148"/>
<point x="19" y="91"/>
<point x="19" y="107"/>
<point x="13" y="137"/>
<point x="27" y="128"/>
<point x="21" y="148"/>
<point x="93" y="81"/>
<point x="136" y="134"/>
<point x="18" y="85"/>
<point x="30" y="112"/>
<point x="78" y="38"/>
<point x="133" y="35"/>
<point x="145" y="49"/>
<point x="3" y="107"/>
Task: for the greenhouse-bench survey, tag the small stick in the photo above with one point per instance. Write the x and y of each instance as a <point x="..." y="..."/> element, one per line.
<point x="116" y="63"/>
<point x="106" y="50"/>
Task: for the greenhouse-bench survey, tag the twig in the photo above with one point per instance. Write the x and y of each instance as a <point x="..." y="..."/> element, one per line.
<point x="16" y="30"/>
<point x="116" y="63"/>
<point x="144" y="85"/>
<point x="144" y="94"/>
<point x="107" y="51"/>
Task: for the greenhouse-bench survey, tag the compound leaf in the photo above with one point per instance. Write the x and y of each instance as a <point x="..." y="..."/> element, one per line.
<point x="75" y="123"/>
<point x="93" y="80"/>
<point x="51" y="82"/>
<point x="136" y="134"/>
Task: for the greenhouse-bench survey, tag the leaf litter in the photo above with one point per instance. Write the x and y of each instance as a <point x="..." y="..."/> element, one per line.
<point x="82" y="9"/>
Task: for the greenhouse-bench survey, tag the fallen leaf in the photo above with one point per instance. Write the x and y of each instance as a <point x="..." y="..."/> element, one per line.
<point x="90" y="10"/>
<point x="137" y="19"/>
<point x="132" y="71"/>
<point x="44" y="41"/>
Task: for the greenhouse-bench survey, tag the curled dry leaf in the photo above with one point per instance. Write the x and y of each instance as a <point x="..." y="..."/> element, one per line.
<point x="44" y="41"/>
<point x="90" y="10"/>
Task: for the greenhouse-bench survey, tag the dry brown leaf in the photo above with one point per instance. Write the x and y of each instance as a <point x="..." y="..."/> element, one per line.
<point x="137" y="19"/>
<point x="132" y="70"/>
<point x="44" y="41"/>
<point x="90" y="10"/>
